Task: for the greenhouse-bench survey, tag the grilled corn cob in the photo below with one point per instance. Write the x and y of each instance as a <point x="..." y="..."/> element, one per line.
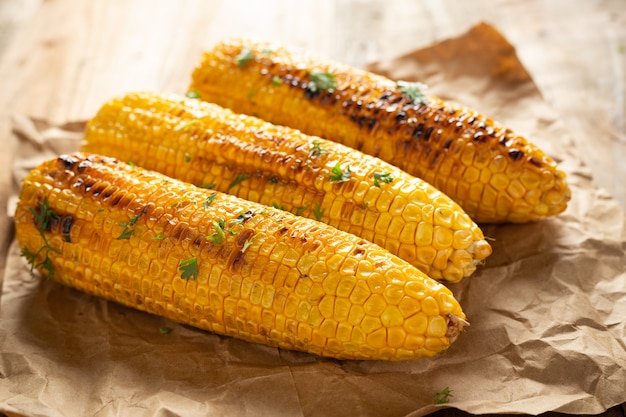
<point x="202" y="143"/>
<point x="227" y="265"/>
<point x="494" y="174"/>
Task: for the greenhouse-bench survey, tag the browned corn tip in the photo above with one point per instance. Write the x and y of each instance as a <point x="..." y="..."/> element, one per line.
<point x="203" y="143"/>
<point x="494" y="174"/>
<point x="125" y="234"/>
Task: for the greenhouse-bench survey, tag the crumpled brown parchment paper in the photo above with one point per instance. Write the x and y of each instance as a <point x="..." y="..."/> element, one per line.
<point x="547" y="311"/>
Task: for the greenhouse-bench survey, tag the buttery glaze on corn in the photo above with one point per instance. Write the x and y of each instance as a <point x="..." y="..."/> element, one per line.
<point x="494" y="174"/>
<point x="202" y="143"/>
<point x="122" y="233"/>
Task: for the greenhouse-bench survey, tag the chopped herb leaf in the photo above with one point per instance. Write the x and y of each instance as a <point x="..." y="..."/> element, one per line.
<point x="131" y="163"/>
<point x="246" y="244"/>
<point x="276" y="81"/>
<point x="207" y="202"/>
<point x="318" y="212"/>
<point x="127" y="232"/>
<point x="209" y="186"/>
<point x="413" y="90"/>
<point x="218" y="237"/>
<point x="244" y="57"/>
<point x="187" y="157"/>
<point x="238" y="179"/>
<point x="43" y="215"/>
<point x="186" y="123"/>
<point x="193" y="94"/>
<point x="160" y="236"/>
<point x="165" y="330"/>
<point x="300" y="210"/>
<point x="273" y="180"/>
<point x="46" y="265"/>
<point x="364" y="205"/>
<point x="241" y="219"/>
<point x="338" y="175"/>
<point x="278" y="206"/>
<point x="133" y="220"/>
<point x="189" y="268"/>
<point x="380" y="177"/>
<point x="316" y="149"/>
<point x="319" y="80"/>
<point x="443" y="396"/>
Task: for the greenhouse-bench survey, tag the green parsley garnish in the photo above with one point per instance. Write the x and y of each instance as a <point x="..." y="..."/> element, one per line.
<point x="243" y="216"/>
<point x="132" y="164"/>
<point x="244" y="57"/>
<point x="207" y="202"/>
<point x="443" y="396"/>
<point x="246" y="244"/>
<point x="187" y="157"/>
<point x="189" y="268"/>
<point x="186" y="123"/>
<point x="46" y="264"/>
<point x="276" y="81"/>
<point x="319" y="80"/>
<point x="160" y="236"/>
<point x="43" y="215"/>
<point x="165" y="330"/>
<point x="128" y="232"/>
<point x="380" y="177"/>
<point x="300" y="210"/>
<point x="218" y="237"/>
<point x="413" y="90"/>
<point x="339" y="175"/>
<point x="193" y="94"/>
<point x="238" y="179"/>
<point x="364" y="205"/>
<point x="278" y="206"/>
<point x="209" y="186"/>
<point x="318" y="212"/>
<point x="316" y="149"/>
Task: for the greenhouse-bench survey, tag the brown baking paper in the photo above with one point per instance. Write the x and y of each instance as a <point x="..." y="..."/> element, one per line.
<point x="547" y="310"/>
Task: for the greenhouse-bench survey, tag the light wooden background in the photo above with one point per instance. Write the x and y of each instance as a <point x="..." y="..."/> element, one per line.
<point x="60" y="59"/>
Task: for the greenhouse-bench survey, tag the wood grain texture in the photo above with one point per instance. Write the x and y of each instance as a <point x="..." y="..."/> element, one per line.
<point x="61" y="59"/>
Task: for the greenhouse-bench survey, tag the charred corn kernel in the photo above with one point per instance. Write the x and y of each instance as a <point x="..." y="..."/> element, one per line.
<point x="450" y="146"/>
<point x="279" y="166"/>
<point x="204" y="272"/>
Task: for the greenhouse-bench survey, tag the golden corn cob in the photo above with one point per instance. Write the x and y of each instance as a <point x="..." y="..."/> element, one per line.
<point x="227" y="265"/>
<point x="202" y="143"/>
<point x="493" y="173"/>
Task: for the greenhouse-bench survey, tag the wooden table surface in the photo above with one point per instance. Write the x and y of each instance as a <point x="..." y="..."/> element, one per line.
<point x="61" y="59"/>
